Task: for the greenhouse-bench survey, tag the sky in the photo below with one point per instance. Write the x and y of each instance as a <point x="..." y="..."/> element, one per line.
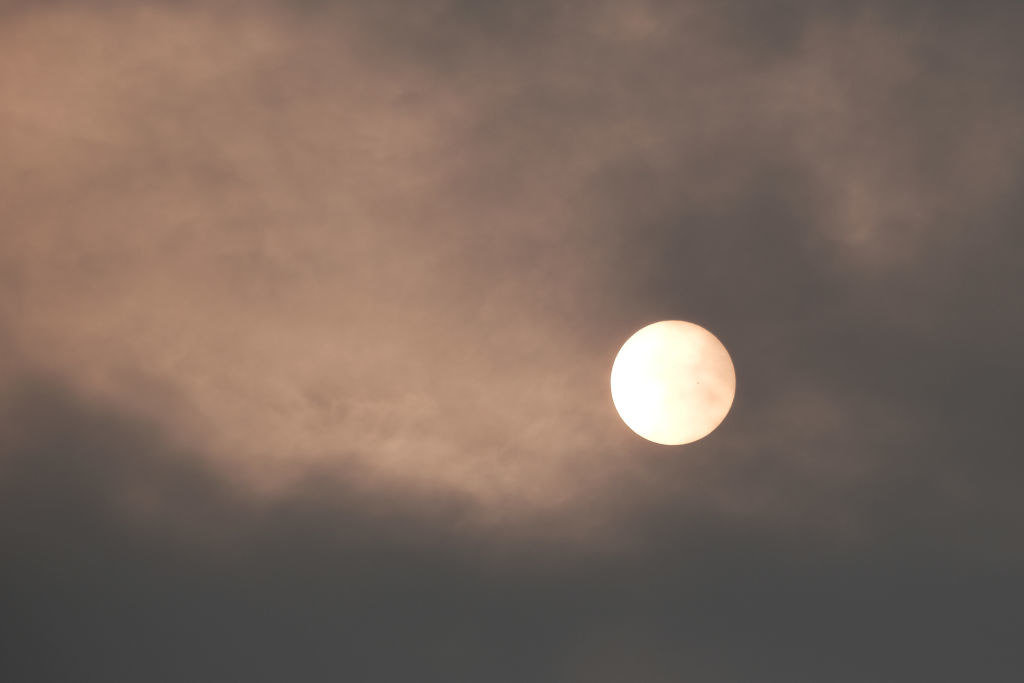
<point x="308" y="310"/>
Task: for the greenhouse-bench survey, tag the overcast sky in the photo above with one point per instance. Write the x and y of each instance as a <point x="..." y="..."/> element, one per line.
<point x="308" y="309"/>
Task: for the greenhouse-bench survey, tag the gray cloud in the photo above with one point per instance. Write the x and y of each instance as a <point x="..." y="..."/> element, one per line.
<point x="326" y="296"/>
<point x="126" y="558"/>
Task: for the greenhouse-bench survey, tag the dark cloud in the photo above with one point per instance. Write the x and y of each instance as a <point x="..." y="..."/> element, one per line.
<point x="307" y="311"/>
<point x="126" y="559"/>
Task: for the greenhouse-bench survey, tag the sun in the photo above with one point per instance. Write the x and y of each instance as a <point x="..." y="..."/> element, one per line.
<point x="673" y="382"/>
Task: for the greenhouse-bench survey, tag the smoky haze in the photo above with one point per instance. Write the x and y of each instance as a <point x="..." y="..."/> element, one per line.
<point x="307" y="311"/>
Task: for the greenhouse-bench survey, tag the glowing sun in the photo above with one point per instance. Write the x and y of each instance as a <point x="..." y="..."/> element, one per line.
<point x="673" y="382"/>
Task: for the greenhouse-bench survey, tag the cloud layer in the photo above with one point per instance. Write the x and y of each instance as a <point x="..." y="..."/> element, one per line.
<point x="308" y="309"/>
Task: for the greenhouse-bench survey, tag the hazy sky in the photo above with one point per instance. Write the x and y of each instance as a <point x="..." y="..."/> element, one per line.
<point x="307" y="312"/>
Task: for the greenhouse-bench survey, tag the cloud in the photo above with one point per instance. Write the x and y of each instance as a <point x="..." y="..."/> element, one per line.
<point x="307" y="312"/>
<point x="127" y="559"/>
<point x="412" y="238"/>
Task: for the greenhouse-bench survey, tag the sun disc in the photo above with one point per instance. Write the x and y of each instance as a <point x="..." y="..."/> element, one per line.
<point x="673" y="382"/>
